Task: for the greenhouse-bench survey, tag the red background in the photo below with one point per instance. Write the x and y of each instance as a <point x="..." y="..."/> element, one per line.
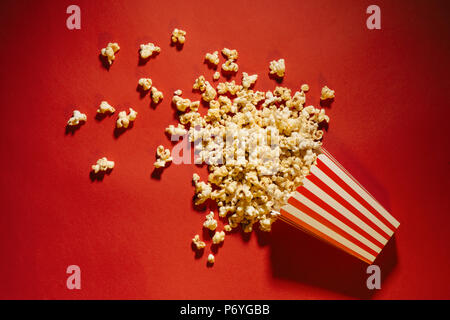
<point x="130" y="233"/>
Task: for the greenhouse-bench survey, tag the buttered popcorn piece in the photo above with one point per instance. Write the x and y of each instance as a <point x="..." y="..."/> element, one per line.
<point x="230" y="66"/>
<point x="179" y="36"/>
<point x="210" y="223"/>
<point x="163" y="156"/>
<point x="218" y="237"/>
<point x="211" y="259"/>
<point x="198" y="243"/>
<point x="105" y="107"/>
<point x="183" y="104"/>
<point x="326" y="93"/>
<point x="76" y="118"/>
<point x="230" y="54"/>
<point x="145" y="83"/>
<point x="304" y="87"/>
<point x="180" y="130"/>
<point x="157" y="95"/>
<point x="277" y="67"/>
<point x="109" y="51"/>
<point x="103" y="164"/>
<point x="148" y="49"/>
<point x="124" y="119"/>
<point x="212" y="58"/>
<point x="216" y="75"/>
<point x="248" y="81"/>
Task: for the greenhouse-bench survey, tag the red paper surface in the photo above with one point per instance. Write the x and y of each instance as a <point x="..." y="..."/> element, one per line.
<point x="130" y="233"/>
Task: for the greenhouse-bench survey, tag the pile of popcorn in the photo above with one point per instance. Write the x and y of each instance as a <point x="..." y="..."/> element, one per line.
<point x="258" y="145"/>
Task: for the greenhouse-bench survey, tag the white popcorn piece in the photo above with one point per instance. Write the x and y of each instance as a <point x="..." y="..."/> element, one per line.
<point x="230" y="54"/>
<point x="212" y="58"/>
<point x="109" y="51"/>
<point x="304" y="87"/>
<point x="277" y="67"/>
<point x="157" y="95"/>
<point x="177" y="92"/>
<point x="123" y="120"/>
<point x="145" y="83"/>
<point x="211" y="259"/>
<point x="326" y="93"/>
<point x="105" y="107"/>
<point x="76" y="118"/>
<point x="103" y="164"/>
<point x="216" y="75"/>
<point x="227" y="228"/>
<point x="218" y="237"/>
<point x="248" y="81"/>
<point x="179" y="36"/>
<point x="148" y="49"/>
<point x="163" y="157"/>
<point x="210" y="223"/>
<point x="230" y="66"/>
<point x="198" y="243"/>
<point x="195" y="178"/>
<point x="180" y="130"/>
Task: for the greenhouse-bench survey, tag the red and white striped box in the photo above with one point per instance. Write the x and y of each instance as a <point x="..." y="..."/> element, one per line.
<point x="334" y="207"/>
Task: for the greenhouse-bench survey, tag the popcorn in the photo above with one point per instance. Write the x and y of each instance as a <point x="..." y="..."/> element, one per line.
<point x="199" y="244"/>
<point x="209" y="93"/>
<point x="145" y="83"/>
<point x="212" y="58"/>
<point x="248" y="81"/>
<point x="76" y="118"/>
<point x="178" y="131"/>
<point x="195" y="178"/>
<point x="124" y="119"/>
<point x="277" y="67"/>
<point x="183" y="104"/>
<point x="103" y="164"/>
<point x="326" y="93"/>
<point x="230" y="54"/>
<point x="156" y="95"/>
<point x="200" y="84"/>
<point x="230" y="87"/>
<point x="230" y="66"/>
<point x="216" y="75"/>
<point x="109" y="51"/>
<point x="105" y="107"/>
<point x="227" y="228"/>
<point x="163" y="157"/>
<point x="304" y="87"/>
<point x="178" y="92"/>
<point x="148" y="49"/>
<point x="218" y="237"/>
<point x="210" y="222"/>
<point x="211" y="259"/>
<point x="178" y="35"/>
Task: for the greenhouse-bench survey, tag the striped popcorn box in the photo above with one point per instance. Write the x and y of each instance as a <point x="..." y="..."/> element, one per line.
<point x="334" y="207"/>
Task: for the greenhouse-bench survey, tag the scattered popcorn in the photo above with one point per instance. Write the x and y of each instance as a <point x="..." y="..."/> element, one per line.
<point x="216" y="75"/>
<point x="218" y="237"/>
<point x="199" y="244"/>
<point x="103" y="164"/>
<point x="195" y="178"/>
<point x="178" y="35"/>
<point x="109" y="51"/>
<point x="105" y="107"/>
<point x="145" y="83"/>
<point x="200" y="84"/>
<point x="326" y="93"/>
<point x="230" y="66"/>
<point x="76" y="118"/>
<point x="227" y="228"/>
<point x="213" y="58"/>
<point x="124" y="119"/>
<point x="178" y="92"/>
<point x="304" y="87"/>
<point x="156" y="95"/>
<point x="209" y="93"/>
<point x="183" y="104"/>
<point x="277" y="67"/>
<point x="210" y="222"/>
<point x="163" y="157"/>
<point x="148" y="49"/>
<point x="248" y="81"/>
<point x="211" y="259"/>
<point x="178" y="131"/>
<point x="230" y="54"/>
<point x="230" y="87"/>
